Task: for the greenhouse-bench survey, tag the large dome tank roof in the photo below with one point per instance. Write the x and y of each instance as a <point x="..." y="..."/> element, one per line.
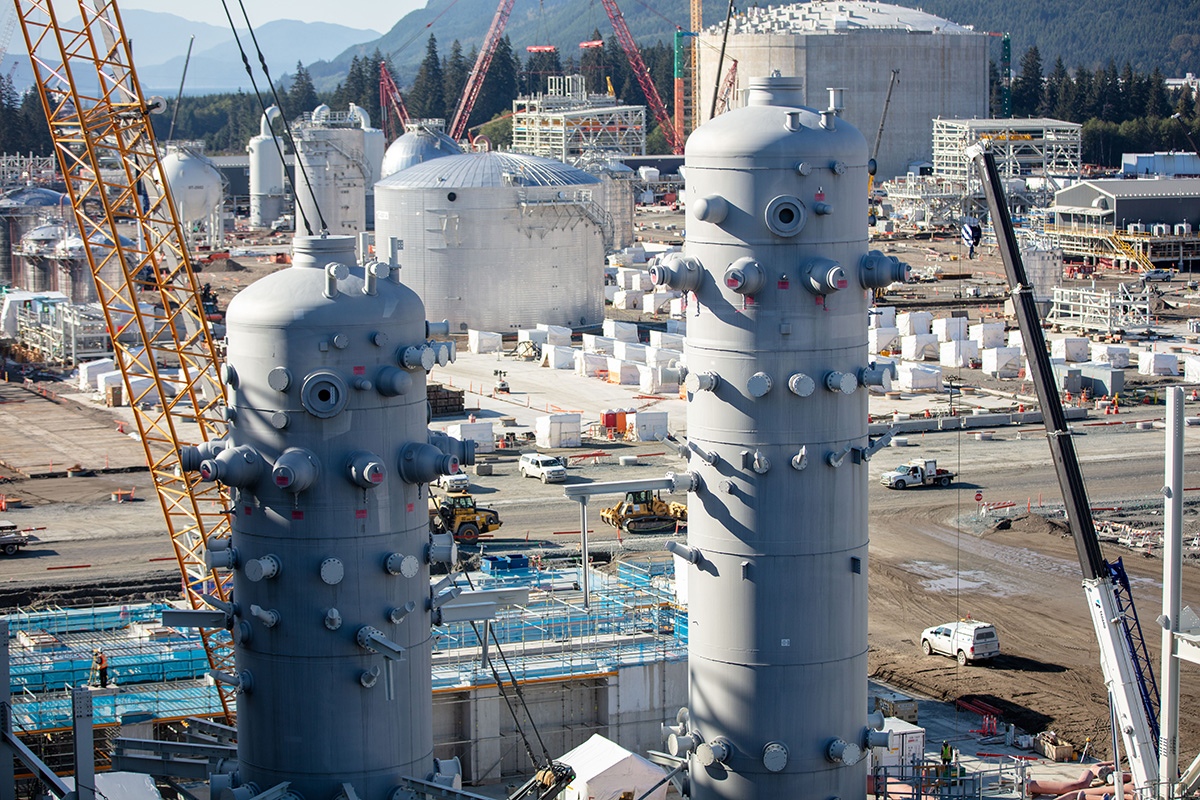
<point x="480" y="170"/>
<point x="33" y="196"/>
<point x="417" y="146"/>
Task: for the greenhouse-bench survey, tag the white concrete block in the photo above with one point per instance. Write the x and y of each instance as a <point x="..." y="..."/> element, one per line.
<point x="919" y="347"/>
<point x="1071" y="349"/>
<point x="623" y="331"/>
<point x="914" y="323"/>
<point x="950" y="329"/>
<point x="959" y="354"/>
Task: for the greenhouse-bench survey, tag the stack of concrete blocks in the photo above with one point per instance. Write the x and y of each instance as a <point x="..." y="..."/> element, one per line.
<point x="621" y="331"/>
<point x="1114" y="355"/>
<point x="623" y="372"/>
<point x="987" y="334"/>
<point x="881" y="339"/>
<point x="534" y="335"/>
<point x="484" y="341"/>
<point x="1151" y="363"/>
<point x="590" y="365"/>
<point x="649" y="426"/>
<point x="556" y="356"/>
<point x="919" y="346"/>
<point x="479" y="432"/>
<point x="919" y="378"/>
<point x="882" y="317"/>
<point x="1001" y="362"/>
<point x="598" y="344"/>
<point x="914" y="323"/>
<point x="557" y="430"/>
<point x="1071" y="349"/>
<point x="950" y="329"/>
<point x="958" y="353"/>
<point x="667" y="341"/>
<point x="632" y="352"/>
<point x="89" y="370"/>
<point x="556" y="334"/>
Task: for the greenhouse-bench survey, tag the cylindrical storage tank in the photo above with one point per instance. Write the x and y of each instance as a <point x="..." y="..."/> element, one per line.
<point x="498" y="241"/>
<point x="330" y="537"/>
<point x="776" y="349"/>
<point x="333" y="179"/>
<point x="195" y="184"/>
<point x="266" y="173"/>
<point x="618" y="200"/>
<point x="374" y="145"/>
<point x="21" y="211"/>
<point x="417" y="145"/>
<point x="37" y="249"/>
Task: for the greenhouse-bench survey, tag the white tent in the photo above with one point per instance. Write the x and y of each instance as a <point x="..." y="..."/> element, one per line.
<point x="604" y="771"/>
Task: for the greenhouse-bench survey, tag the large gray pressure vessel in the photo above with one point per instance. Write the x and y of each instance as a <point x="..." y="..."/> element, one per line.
<point x="777" y="266"/>
<point x="327" y="461"/>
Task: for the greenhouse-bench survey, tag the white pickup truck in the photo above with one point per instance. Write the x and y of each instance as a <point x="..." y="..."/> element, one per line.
<point x="918" y="472"/>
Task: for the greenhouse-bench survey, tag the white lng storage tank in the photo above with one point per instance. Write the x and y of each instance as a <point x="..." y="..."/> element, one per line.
<point x="498" y="241"/>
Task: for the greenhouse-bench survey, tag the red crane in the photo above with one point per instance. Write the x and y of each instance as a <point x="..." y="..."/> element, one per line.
<point x="726" y="95"/>
<point x="395" y="115"/>
<point x="674" y="140"/>
<point x="478" y="72"/>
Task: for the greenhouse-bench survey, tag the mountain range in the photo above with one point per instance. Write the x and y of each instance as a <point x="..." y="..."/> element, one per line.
<point x="1083" y="33"/>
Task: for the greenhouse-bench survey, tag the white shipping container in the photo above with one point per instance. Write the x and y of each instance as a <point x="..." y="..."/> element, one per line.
<point x="557" y="430"/>
<point x="556" y="334"/>
<point x="484" y="342"/>
<point x="622" y="331"/>
<point x="988" y="334"/>
<point x="1071" y="349"/>
<point x="880" y="339"/>
<point x="958" y="354"/>
<point x="558" y="357"/>
<point x="649" y="426"/>
<point x="630" y="351"/>
<point x="1115" y="356"/>
<point x="906" y="744"/>
<point x="597" y="344"/>
<point x="914" y="323"/>
<point x="480" y="433"/>
<point x="671" y="341"/>
<point x="1158" y="363"/>
<point x="919" y="377"/>
<point x="590" y="365"/>
<point x="90" y="369"/>
<point x="623" y="372"/>
<point x="919" y="347"/>
<point x="1001" y="362"/>
<point x="883" y="317"/>
<point x="950" y="329"/>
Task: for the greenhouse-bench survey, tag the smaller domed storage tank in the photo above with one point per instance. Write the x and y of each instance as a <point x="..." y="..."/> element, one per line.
<point x="419" y="144"/>
<point x="196" y="188"/>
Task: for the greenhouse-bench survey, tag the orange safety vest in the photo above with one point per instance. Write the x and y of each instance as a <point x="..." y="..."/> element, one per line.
<point x="101" y="661"/>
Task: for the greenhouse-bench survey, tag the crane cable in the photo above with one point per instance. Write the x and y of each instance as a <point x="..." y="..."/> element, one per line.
<point x="287" y="132"/>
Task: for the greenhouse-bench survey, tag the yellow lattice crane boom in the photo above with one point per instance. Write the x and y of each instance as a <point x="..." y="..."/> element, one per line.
<point x="697" y="22"/>
<point x="100" y="125"/>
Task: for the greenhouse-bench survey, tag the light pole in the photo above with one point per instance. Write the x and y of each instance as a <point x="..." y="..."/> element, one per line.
<point x="1179" y="117"/>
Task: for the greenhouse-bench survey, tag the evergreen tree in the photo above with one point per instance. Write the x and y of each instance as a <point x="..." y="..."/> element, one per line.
<point x="1083" y="96"/>
<point x="591" y="65"/>
<point x="454" y="73"/>
<point x="427" y="97"/>
<point x="995" y="89"/>
<point x="1027" y="86"/>
<point x="302" y="96"/>
<point x="538" y="68"/>
<point x="500" y="85"/>
<point x="1156" y="95"/>
<point x="1057" y="92"/>
<point x="35" y="133"/>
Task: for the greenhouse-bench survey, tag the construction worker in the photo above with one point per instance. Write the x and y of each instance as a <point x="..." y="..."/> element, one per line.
<point x="947" y="754"/>
<point x="100" y="664"/>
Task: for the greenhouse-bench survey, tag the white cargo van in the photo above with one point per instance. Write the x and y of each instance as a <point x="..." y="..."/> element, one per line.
<point x="967" y="640"/>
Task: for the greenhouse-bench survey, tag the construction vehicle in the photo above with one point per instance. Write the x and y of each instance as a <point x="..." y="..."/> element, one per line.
<point x="456" y="512"/>
<point x="1124" y="657"/>
<point x="12" y="538"/>
<point x="645" y="512"/>
<point x="917" y="472"/>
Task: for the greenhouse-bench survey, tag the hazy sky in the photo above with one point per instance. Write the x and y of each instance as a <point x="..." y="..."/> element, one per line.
<point x="372" y="14"/>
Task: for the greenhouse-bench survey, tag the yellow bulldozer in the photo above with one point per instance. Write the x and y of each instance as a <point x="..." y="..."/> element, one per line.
<point x="456" y="512"/>
<point x="645" y="512"/>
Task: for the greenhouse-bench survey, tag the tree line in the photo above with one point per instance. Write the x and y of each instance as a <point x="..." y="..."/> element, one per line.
<point x="1121" y="110"/>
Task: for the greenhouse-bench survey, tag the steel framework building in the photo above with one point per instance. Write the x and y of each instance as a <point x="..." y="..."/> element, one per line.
<point x="1022" y="147"/>
<point x="567" y="123"/>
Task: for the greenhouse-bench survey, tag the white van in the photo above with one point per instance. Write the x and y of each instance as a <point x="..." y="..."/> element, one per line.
<point x="968" y="640"/>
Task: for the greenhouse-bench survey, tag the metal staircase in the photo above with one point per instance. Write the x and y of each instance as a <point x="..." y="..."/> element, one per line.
<point x="1133" y="254"/>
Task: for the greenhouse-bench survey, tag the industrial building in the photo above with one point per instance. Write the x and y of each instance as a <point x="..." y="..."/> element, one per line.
<point x="499" y="241"/>
<point x="568" y="123"/>
<point x="855" y="46"/>
<point x="1139" y="224"/>
<point x="339" y="158"/>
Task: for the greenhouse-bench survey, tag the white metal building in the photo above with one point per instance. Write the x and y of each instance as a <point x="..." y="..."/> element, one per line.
<point x="339" y="157"/>
<point x="498" y="241"/>
<point x="856" y="45"/>
<point x="568" y="123"/>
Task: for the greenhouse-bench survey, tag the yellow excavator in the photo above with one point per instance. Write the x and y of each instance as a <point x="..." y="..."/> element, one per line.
<point x="645" y="512"/>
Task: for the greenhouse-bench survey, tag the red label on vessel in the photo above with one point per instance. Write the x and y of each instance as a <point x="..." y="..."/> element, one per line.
<point x="360" y="370"/>
<point x="360" y="513"/>
<point x="297" y="515"/>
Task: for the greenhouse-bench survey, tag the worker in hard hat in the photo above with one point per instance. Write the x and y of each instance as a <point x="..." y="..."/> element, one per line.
<point x="100" y="664"/>
<point x="947" y="757"/>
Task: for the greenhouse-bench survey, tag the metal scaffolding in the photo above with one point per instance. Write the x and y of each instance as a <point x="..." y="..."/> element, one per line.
<point x="1047" y="148"/>
<point x="567" y="123"/>
<point x="1102" y="310"/>
<point x="61" y="333"/>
